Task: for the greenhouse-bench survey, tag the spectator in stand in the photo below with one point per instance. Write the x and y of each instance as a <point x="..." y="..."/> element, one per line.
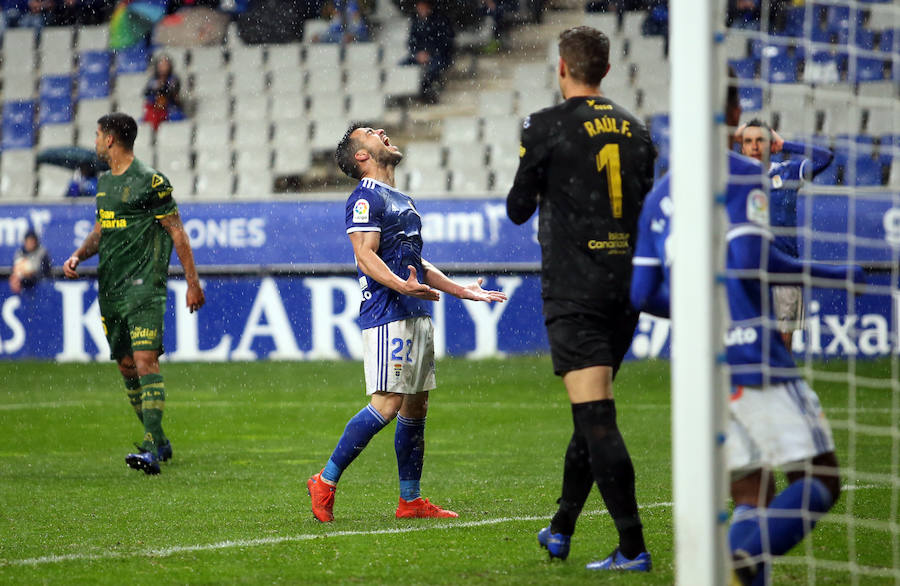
<point x="84" y="182"/>
<point x="430" y="46"/>
<point x="743" y="14"/>
<point x="26" y="13"/>
<point x="495" y="10"/>
<point x="70" y="12"/>
<point x="30" y="264"/>
<point x="163" y="94"/>
<point x="347" y="24"/>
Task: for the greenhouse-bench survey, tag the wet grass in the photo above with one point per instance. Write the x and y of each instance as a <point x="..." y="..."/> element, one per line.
<point x="231" y="507"/>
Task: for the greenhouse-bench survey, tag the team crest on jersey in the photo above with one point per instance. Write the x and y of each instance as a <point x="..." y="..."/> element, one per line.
<point x="156" y="181"/>
<point x="361" y="212"/>
<point x="527" y="122"/>
<point x="398" y="368"/>
<point x="758" y="207"/>
<point x="777" y="182"/>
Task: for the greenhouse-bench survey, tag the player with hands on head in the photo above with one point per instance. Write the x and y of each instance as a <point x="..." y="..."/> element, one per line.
<point x="587" y="163"/>
<point x="136" y="227"/>
<point x="397" y="285"/>
<point x="758" y="141"/>
<point x="775" y="418"/>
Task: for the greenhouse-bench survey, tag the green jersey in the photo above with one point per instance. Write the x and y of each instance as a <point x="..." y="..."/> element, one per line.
<point x="134" y="247"/>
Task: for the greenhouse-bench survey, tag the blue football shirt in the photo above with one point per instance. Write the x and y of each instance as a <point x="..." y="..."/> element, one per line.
<point x="376" y="207"/>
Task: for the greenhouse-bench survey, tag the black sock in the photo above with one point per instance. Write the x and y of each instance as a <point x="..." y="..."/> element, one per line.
<point x="577" y="483"/>
<point x="613" y="470"/>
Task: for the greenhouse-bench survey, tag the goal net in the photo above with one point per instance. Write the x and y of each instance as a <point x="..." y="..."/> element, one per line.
<point x="824" y="76"/>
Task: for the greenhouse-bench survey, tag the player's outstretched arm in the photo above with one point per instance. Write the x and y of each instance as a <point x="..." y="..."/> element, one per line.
<point x="195" y="296"/>
<point x="746" y="252"/>
<point x="88" y="248"/>
<point x="437" y="279"/>
<point x="365" y="248"/>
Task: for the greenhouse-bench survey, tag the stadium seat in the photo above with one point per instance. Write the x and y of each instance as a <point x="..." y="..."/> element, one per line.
<point x="882" y="119"/>
<point x="327" y="132"/>
<point x="56" y="135"/>
<point x="465" y="130"/>
<point x="293" y="135"/>
<point x="424" y="183"/>
<point x="129" y="85"/>
<point x="253" y="160"/>
<point x="18" y="87"/>
<point x="860" y="169"/>
<point x="403" y="81"/>
<point x="250" y="109"/>
<point x="368" y="107"/>
<point x="209" y="134"/>
<point x="254" y="184"/>
<point x="55" y="52"/>
<point x="250" y="135"/>
<point x="886" y="43"/>
<point x="17" y="175"/>
<point x="327" y="81"/>
<point x="502" y="178"/>
<point x="18" y="125"/>
<point x="362" y="81"/>
<point x="246" y="58"/>
<point x="93" y="74"/>
<point x="218" y="109"/>
<point x="89" y="111"/>
<point x="286" y="108"/>
<point x="143" y="144"/>
<point x="214" y="158"/>
<point x="55" y="110"/>
<point x="534" y="100"/>
<point x="314" y="27"/>
<point x="423" y="155"/>
<point x="292" y="160"/>
<point x="93" y="38"/>
<point x="209" y="84"/>
<point x="322" y="57"/>
<point x="751" y="99"/>
<point x="463" y="157"/>
<point x="326" y="106"/>
<point x="248" y="82"/>
<point x="867" y="69"/>
<point x="175" y="136"/>
<point x="284" y="58"/>
<point x="172" y="160"/>
<point x="18" y="52"/>
<point x="56" y="86"/>
<point x="497" y="102"/>
<point x="288" y="82"/>
<point x="215" y="185"/>
<point x="206" y="59"/>
<point x="532" y="75"/>
<point x="780" y="69"/>
<point x="894" y="179"/>
<point x="53" y="182"/>
<point x="134" y="59"/>
<point x="361" y="57"/>
<point x="747" y="68"/>
<point x="474" y="182"/>
<point x="182" y="184"/>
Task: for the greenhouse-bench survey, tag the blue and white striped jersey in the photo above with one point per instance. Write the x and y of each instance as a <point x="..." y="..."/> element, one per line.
<point x="376" y="207"/>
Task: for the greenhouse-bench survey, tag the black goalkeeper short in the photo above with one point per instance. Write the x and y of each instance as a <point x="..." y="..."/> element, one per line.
<point x="583" y="335"/>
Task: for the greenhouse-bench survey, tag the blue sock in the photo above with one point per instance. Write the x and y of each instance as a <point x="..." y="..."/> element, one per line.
<point x="361" y="428"/>
<point x="409" y="443"/>
<point x="784" y="532"/>
<point x="744" y="521"/>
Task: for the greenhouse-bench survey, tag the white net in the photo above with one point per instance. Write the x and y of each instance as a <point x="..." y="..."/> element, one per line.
<point x="825" y="76"/>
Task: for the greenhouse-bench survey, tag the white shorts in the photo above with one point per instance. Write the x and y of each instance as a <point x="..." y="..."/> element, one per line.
<point x="773" y="426"/>
<point x="788" y="302"/>
<point x="399" y="356"/>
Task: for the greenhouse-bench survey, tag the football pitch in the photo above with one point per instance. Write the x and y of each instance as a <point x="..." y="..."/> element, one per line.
<point x="231" y="507"/>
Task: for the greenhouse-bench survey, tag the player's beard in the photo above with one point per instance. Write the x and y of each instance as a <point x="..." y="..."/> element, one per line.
<point x="387" y="158"/>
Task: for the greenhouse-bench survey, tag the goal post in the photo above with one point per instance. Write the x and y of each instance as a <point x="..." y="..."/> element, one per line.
<point x="698" y="174"/>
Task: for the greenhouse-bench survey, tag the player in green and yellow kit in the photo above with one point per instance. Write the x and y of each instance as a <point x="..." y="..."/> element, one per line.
<point x="136" y="228"/>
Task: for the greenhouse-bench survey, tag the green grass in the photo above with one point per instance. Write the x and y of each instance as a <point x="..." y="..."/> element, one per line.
<point x="247" y="436"/>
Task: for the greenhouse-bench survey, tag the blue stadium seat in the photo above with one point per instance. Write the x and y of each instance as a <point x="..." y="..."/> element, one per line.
<point x="886" y="44"/>
<point x="18" y="125"/>
<point x="780" y="69"/>
<point x="793" y="21"/>
<point x="860" y="169"/>
<point x="868" y="69"/>
<point x="751" y="99"/>
<point x="55" y="110"/>
<point x="56" y="86"/>
<point x="864" y="39"/>
<point x="745" y="68"/>
<point x="93" y="74"/>
<point x="133" y="59"/>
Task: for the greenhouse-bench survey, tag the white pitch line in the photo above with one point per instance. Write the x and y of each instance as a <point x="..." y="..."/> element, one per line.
<point x="177" y="549"/>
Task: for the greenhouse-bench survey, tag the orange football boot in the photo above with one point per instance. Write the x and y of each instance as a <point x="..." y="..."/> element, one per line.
<point x="422" y="509"/>
<point x="322" y="496"/>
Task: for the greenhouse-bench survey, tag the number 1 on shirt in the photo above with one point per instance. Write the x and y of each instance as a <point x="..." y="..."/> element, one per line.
<point x="608" y="159"/>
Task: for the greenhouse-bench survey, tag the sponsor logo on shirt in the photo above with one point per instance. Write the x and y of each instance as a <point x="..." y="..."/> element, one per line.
<point x="758" y="207"/>
<point x="361" y="212"/>
<point x="777" y="183"/>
